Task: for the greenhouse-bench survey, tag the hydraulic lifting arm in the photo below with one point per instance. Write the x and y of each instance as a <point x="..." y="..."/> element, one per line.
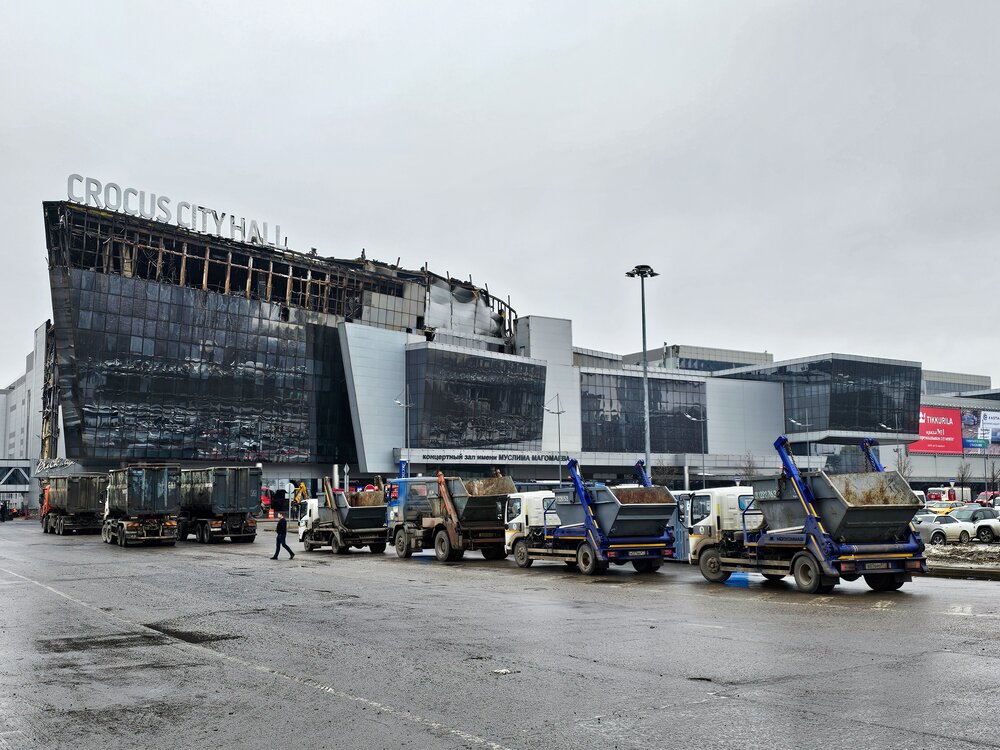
<point x="866" y="447"/>
<point x="641" y="475"/>
<point x="594" y="531"/>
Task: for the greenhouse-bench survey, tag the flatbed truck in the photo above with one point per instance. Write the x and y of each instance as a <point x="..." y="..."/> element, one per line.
<point x="818" y="528"/>
<point x="590" y="527"/>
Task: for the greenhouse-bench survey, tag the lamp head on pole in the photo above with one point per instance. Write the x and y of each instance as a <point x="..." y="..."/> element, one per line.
<point x="642" y="271"/>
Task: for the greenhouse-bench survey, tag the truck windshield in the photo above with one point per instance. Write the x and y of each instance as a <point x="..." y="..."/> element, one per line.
<point x="513" y="508"/>
<point x="701" y="507"/>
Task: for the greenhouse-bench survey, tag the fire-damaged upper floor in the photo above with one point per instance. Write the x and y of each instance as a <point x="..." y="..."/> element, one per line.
<point x="358" y="290"/>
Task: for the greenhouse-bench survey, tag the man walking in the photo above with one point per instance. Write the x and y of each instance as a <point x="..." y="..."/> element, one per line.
<point x="279" y="542"/>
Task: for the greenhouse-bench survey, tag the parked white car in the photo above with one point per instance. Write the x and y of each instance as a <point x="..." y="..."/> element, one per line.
<point x="945" y="530"/>
<point x="988" y="530"/>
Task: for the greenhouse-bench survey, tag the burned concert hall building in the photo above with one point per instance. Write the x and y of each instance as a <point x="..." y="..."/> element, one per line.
<point x="174" y="344"/>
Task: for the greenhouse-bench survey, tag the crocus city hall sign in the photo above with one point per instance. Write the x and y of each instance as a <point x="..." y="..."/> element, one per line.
<point x="113" y="197"/>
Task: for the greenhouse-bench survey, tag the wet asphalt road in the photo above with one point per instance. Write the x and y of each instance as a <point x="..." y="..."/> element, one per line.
<point x="219" y="647"/>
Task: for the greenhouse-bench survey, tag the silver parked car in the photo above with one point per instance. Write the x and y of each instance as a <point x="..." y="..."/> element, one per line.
<point x="945" y="530"/>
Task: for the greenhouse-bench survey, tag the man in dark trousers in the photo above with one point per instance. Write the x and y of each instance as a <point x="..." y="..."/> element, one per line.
<point x="280" y="530"/>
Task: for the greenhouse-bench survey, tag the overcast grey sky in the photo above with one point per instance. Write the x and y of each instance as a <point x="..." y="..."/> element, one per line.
<point x="806" y="176"/>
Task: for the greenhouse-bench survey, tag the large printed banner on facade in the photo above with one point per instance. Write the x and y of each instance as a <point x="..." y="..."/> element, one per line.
<point x="981" y="431"/>
<point x="940" y="431"/>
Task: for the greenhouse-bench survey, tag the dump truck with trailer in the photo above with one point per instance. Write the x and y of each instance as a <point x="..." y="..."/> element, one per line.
<point x="816" y="527"/>
<point x="218" y="502"/>
<point x="590" y="526"/>
<point x="447" y="514"/>
<point x="142" y="505"/>
<point x="342" y="520"/>
<point x="74" y="504"/>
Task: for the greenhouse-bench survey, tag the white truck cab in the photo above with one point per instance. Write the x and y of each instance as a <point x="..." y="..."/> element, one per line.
<point x="526" y="515"/>
<point x="717" y="511"/>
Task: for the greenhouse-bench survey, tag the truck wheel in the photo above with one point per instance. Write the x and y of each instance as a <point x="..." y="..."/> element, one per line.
<point x="710" y="565"/>
<point x="587" y="560"/>
<point x="442" y="547"/>
<point x="807" y="574"/>
<point x="182" y="531"/>
<point x="883" y="582"/>
<point x="307" y="544"/>
<point x="104" y="534"/>
<point x="402" y="545"/>
<point x="521" y="555"/>
<point x="377" y="548"/>
<point x="122" y="541"/>
<point x="986" y="535"/>
<point x="494" y="553"/>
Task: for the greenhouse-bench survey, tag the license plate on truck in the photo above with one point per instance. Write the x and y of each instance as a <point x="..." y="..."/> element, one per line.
<point x="877" y="566"/>
<point x="638" y="553"/>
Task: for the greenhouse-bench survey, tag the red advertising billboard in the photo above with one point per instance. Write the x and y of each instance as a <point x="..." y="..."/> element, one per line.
<point x="940" y="431"/>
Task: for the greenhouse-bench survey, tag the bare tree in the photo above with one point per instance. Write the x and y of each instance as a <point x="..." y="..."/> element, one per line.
<point x="963" y="474"/>
<point x="994" y="475"/>
<point x="748" y="468"/>
<point x="904" y="465"/>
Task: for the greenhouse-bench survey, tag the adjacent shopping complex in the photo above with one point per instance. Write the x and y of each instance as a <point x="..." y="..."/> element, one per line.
<point x="208" y="343"/>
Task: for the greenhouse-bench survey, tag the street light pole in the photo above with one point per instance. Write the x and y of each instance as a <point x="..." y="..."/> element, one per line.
<point x="406" y="404"/>
<point x="704" y="442"/>
<point x="558" y="411"/>
<point x="644" y="272"/>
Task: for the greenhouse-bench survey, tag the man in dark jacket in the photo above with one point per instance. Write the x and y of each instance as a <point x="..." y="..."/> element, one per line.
<point x="280" y="530"/>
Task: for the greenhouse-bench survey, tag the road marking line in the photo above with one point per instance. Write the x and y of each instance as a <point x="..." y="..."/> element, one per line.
<point x="307" y="681"/>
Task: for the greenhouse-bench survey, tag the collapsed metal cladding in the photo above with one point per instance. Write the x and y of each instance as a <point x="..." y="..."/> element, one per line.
<point x="173" y="345"/>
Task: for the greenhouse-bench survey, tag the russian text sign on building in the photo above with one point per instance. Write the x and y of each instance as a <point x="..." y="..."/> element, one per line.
<point x="112" y="197"/>
<point x="940" y="431"/>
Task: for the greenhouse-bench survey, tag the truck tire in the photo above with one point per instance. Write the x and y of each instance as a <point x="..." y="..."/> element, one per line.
<point x="377" y="549"/>
<point x="402" y="545"/>
<point x="494" y="553"/>
<point x="808" y="577"/>
<point x="884" y="582"/>
<point x="442" y="547"/>
<point x="104" y="535"/>
<point x="587" y="560"/>
<point x="521" y="555"/>
<point x="122" y="541"/>
<point x="182" y="531"/>
<point x="307" y="542"/>
<point x="710" y="565"/>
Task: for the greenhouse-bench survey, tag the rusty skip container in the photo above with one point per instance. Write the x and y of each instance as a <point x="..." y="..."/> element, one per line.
<point x="862" y="508"/>
<point x="144" y="491"/>
<point x="621" y="512"/>
<point x="220" y="490"/>
<point x="78" y="495"/>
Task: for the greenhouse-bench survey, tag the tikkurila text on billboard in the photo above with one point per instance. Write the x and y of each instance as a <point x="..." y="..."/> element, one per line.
<point x="940" y="431"/>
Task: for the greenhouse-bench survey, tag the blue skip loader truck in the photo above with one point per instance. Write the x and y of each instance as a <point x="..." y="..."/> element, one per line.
<point x="818" y="528"/>
<point x="590" y="527"/>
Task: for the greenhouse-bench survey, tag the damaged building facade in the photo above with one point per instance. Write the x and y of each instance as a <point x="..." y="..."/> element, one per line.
<point x="169" y="344"/>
